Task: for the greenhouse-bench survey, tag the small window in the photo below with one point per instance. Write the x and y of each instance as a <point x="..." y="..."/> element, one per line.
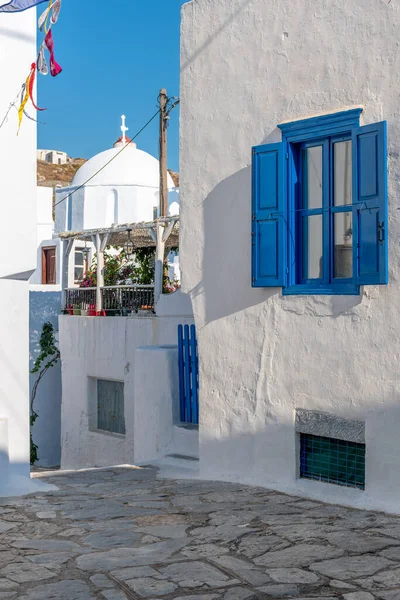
<point x="320" y="207"/>
<point x="332" y="461"/>
<point x="81" y="265"/>
<point x="110" y="406"/>
<point x="49" y="266"/>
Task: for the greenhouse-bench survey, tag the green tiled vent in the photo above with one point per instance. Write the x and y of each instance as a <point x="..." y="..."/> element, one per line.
<point x="332" y="461"/>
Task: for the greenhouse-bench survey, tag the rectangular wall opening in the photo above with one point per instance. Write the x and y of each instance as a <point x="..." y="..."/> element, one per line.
<point x="110" y="406"/>
<point x="332" y="461"/>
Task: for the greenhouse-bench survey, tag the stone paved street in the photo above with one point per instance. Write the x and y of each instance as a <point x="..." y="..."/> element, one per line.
<point x="123" y="534"/>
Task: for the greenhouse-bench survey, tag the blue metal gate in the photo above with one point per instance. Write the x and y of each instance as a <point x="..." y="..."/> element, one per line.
<point x="188" y="374"/>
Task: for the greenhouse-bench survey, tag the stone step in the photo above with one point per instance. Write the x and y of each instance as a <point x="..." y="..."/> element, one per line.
<point x="182" y="461"/>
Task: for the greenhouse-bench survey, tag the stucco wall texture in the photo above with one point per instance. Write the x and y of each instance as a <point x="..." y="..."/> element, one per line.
<point x="141" y="353"/>
<point x="247" y="65"/>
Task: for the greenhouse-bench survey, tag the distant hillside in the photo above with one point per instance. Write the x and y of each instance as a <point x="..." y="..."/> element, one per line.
<point x="49" y="175"/>
<point x="175" y="177"/>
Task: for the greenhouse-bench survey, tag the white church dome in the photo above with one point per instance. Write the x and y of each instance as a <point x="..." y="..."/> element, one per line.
<point x="131" y="167"/>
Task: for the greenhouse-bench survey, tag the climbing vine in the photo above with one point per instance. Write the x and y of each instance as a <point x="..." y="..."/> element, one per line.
<point x="48" y="357"/>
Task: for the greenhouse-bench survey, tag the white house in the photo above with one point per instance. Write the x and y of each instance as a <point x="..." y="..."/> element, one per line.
<point x="125" y="191"/>
<point x="290" y="242"/>
<point x="55" y="157"/>
<point x="18" y="245"/>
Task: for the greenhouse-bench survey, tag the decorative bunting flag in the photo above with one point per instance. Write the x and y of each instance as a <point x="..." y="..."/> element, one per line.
<point x="24" y="101"/>
<point x="55" y="68"/>
<point x="43" y="17"/>
<point x="55" y="12"/>
<point x="41" y="62"/>
<point x="52" y="12"/>
<point x="25" y="113"/>
<point x="31" y="84"/>
<point x="47" y="19"/>
<point x="18" y="5"/>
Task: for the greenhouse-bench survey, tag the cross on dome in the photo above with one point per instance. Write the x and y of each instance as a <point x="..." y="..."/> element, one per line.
<point x="123" y="139"/>
<point x="124" y="129"/>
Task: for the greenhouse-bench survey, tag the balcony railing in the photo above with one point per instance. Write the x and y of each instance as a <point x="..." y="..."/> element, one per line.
<point x="80" y="298"/>
<point x="121" y="300"/>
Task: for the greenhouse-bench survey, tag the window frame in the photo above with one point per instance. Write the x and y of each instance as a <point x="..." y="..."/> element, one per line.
<point x="322" y="130"/>
<point x="84" y="265"/>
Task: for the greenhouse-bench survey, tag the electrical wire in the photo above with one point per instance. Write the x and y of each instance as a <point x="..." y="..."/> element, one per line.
<point x="110" y="161"/>
<point x="169" y="109"/>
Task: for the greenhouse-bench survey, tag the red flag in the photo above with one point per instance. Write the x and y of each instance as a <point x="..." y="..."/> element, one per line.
<point x="55" y="68"/>
<point x="30" y="85"/>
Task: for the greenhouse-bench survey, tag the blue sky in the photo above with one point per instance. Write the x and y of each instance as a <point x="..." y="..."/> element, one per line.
<point x="114" y="62"/>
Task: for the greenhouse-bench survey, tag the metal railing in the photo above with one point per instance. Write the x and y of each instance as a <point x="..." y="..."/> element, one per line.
<point x="125" y="299"/>
<point x="80" y="298"/>
<point x="120" y="300"/>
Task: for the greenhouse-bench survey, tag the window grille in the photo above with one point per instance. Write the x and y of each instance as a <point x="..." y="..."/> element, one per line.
<point x="332" y="461"/>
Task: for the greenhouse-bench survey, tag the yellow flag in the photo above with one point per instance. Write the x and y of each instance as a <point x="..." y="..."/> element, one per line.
<point x="23" y="102"/>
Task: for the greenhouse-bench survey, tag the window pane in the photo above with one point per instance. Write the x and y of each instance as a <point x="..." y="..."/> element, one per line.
<point x="343" y="244"/>
<point x="313" y="263"/>
<point x="313" y="190"/>
<point x="78" y="274"/>
<point x="342" y="173"/>
<point x="79" y="257"/>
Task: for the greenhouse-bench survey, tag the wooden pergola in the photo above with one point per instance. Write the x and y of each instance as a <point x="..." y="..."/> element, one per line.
<point x="161" y="234"/>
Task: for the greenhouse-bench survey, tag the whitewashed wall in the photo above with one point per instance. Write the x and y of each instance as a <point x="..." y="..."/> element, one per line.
<point x="17" y="251"/>
<point x="127" y="350"/>
<point x="247" y="65"/>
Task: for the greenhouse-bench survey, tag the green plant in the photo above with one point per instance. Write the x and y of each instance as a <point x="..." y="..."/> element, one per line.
<point x="48" y="357"/>
<point x="169" y="287"/>
<point x="119" y="270"/>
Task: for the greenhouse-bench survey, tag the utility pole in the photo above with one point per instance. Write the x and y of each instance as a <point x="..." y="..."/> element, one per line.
<point x="163" y="154"/>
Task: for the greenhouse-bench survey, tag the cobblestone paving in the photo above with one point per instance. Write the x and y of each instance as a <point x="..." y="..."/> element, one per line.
<point x="123" y="534"/>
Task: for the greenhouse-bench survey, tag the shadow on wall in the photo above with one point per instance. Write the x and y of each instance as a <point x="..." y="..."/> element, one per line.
<point x="44" y="307"/>
<point x="269" y="456"/>
<point x="226" y="286"/>
<point x="226" y="283"/>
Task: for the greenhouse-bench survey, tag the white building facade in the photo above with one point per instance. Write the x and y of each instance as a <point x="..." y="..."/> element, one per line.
<point x="18" y="251"/>
<point x="288" y="251"/>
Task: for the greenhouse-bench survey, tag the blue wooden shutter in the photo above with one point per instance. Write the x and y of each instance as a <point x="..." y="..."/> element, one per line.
<point x="370" y="204"/>
<point x="269" y="204"/>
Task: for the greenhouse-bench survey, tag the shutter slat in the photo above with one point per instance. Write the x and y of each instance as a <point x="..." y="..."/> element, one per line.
<point x="370" y="204"/>
<point x="269" y="205"/>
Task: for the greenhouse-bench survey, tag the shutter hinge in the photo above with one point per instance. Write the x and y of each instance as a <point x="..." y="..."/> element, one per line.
<point x="253" y="280"/>
<point x="253" y="217"/>
<point x="253" y="234"/>
<point x="287" y="155"/>
<point x="287" y="270"/>
<point x="381" y="230"/>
